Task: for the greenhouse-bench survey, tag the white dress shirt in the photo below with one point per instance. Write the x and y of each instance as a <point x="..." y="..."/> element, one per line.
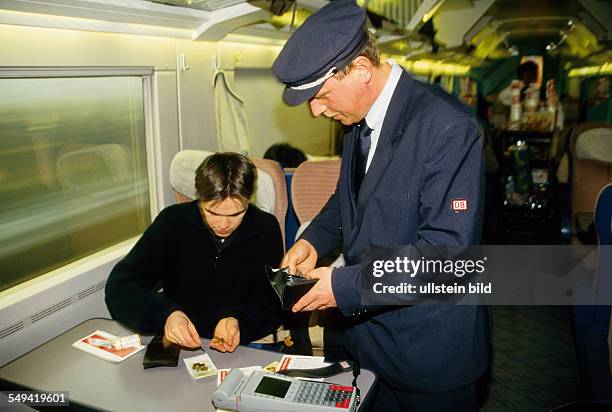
<point x="376" y="115"/>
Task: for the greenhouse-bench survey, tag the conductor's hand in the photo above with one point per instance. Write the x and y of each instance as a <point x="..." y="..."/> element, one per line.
<point x="321" y="296"/>
<point x="301" y="257"/>
<point x="179" y="329"/>
<point x="227" y="335"/>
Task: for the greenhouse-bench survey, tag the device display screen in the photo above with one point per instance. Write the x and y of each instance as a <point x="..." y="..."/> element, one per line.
<point x="273" y="387"/>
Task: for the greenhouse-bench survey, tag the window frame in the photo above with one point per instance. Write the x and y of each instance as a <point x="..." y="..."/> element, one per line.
<point x="97" y="263"/>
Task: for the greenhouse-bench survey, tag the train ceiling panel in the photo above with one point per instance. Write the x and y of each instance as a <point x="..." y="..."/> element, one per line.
<point x="207" y="5"/>
<point x="460" y="30"/>
<point x="566" y="27"/>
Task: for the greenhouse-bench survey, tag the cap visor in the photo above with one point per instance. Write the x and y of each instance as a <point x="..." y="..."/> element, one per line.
<point x="295" y="97"/>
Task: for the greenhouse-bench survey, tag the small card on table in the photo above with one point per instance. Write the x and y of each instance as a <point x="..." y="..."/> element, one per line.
<point x="200" y="366"/>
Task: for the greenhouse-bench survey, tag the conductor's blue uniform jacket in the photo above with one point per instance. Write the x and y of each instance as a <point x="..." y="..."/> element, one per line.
<point x="429" y="153"/>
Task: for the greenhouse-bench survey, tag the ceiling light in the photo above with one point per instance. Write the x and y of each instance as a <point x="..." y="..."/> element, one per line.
<point x="427" y="16"/>
<point x="605" y="68"/>
<point x="513" y="50"/>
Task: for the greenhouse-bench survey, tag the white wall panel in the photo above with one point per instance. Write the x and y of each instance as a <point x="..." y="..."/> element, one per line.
<point x="35" y="46"/>
<point x="271" y="120"/>
<point x="196" y="110"/>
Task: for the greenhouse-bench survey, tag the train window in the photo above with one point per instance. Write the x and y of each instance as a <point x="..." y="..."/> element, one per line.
<point x="73" y="172"/>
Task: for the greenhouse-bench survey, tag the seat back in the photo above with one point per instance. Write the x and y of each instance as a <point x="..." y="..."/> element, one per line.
<point x="603" y="216"/>
<point x="109" y="161"/>
<point x="592" y="322"/>
<point x="98" y="177"/>
<point x="590" y="170"/>
<point x="603" y="227"/>
<point x="312" y="185"/>
<point x="276" y="193"/>
<point x="270" y="194"/>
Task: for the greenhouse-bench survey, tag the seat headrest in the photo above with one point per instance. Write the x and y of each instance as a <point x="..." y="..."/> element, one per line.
<point x="595" y="144"/>
<point x="182" y="178"/>
<point x="182" y="170"/>
<point x="265" y="195"/>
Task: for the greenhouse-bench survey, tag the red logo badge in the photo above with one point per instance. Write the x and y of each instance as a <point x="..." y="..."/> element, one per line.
<point x="459" y="205"/>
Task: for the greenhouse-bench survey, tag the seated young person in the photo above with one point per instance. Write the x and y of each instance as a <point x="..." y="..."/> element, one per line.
<point x="208" y="258"/>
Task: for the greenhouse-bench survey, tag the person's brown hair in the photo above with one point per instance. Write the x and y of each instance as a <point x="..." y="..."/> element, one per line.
<point x="224" y="175"/>
<point x="370" y="51"/>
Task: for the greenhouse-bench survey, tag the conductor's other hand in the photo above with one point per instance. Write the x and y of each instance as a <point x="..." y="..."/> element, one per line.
<point x="302" y="257"/>
<point x="179" y="329"/>
<point x="321" y="295"/>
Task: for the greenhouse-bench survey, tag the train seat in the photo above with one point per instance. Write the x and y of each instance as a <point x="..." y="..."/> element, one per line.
<point x="591" y="152"/>
<point x="592" y="323"/>
<point x="273" y="192"/>
<point x="270" y="194"/>
<point x="95" y="175"/>
<point x="312" y="185"/>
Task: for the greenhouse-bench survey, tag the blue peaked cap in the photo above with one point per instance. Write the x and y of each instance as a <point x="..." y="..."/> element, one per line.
<point x="325" y="43"/>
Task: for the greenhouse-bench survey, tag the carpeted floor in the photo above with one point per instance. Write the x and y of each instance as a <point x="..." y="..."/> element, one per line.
<point x="534" y="365"/>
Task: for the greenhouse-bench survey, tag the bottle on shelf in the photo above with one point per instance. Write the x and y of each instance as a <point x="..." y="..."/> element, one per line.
<point x="515" y="108"/>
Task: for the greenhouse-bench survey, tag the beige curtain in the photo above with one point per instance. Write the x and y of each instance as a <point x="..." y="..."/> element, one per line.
<point x="232" y="128"/>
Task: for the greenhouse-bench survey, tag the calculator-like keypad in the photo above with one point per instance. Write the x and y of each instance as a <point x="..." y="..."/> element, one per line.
<point x="324" y="394"/>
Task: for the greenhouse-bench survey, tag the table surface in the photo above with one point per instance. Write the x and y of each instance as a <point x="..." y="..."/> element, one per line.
<point x="123" y="386"/>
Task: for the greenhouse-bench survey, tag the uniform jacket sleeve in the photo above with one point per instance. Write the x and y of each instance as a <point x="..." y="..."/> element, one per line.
<point x="453" y="169"/>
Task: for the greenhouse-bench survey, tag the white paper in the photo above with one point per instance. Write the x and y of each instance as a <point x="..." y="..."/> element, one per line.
<point x="247" y="370"/>
<point x="211" y="369"/>
<point x="303" y="362"/>
<point x="109" y="353"/>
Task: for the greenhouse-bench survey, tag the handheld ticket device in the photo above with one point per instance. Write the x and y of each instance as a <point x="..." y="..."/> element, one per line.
<point x="273" y="392"/>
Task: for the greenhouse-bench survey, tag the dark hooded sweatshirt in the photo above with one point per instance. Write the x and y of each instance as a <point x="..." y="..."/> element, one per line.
<point x="200" y="276"/>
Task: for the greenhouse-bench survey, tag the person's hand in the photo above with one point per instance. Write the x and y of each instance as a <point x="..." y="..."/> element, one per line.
<point x="321" y="295"/>
<point x="227" y="335"/>
<point x="179" y="329"/>
<point x="301" y="257"/>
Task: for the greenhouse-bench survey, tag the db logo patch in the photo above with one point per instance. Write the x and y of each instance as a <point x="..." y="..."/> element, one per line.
<point x="459" y="205"/>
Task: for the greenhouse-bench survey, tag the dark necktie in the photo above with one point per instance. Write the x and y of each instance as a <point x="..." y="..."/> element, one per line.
<point x="363" y="148"/>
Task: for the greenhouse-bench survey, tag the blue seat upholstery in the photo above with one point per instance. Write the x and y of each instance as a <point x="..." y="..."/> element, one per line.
<point x="592" y="322"/>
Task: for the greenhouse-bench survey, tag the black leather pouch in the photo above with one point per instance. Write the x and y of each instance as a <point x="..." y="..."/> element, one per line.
<point x="160" y="354"/>
<point x="289" y="288"/>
